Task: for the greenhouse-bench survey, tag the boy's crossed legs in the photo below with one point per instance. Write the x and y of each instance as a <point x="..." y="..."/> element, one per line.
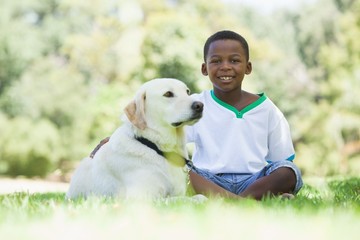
<point x="275" y="179"/>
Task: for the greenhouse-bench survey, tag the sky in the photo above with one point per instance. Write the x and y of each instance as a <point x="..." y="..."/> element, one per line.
<point x="268" y="6"/>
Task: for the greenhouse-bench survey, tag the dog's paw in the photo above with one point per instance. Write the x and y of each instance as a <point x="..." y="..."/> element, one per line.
<point x="199" y="198"/>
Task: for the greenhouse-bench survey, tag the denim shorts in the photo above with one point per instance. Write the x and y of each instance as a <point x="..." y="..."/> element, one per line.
<point x="238" y="182"/>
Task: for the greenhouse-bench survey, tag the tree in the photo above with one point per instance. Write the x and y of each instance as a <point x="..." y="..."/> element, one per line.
<point x="171" y="48"/>
<point x="52" y="79"/>
<point x="331" y="51"/>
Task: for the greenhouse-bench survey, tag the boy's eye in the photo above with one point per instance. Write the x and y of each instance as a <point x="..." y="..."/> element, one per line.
<point x="215" y="61"/>
<point x="168" y="94"/>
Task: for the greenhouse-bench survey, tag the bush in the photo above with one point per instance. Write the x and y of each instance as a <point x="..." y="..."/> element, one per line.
<point x="27" y="147"/>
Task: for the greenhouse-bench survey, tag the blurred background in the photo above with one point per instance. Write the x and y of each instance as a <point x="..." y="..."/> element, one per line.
<point x="68" y="68"/>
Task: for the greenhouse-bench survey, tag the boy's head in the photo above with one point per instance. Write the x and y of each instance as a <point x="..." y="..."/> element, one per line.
<point x="226" y="35"/>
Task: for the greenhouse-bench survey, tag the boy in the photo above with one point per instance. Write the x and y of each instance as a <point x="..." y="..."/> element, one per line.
<point x="243" y="146"/>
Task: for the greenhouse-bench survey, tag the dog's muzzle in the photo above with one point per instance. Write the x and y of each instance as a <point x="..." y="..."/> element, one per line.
<point x="198" y="107"/>
<point x="197" y="110"/>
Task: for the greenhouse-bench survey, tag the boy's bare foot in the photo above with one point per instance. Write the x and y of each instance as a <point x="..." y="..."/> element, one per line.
<point x="287" y="196"/>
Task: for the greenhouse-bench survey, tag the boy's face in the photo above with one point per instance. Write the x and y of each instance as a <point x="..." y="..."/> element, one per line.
<point x="226" y="65"/>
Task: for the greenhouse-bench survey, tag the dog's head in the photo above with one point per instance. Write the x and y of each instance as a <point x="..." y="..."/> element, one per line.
<point x="163" y="102"/>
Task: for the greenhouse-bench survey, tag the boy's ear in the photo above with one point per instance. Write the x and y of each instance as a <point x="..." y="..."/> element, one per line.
<point x="204" y="69"/>
<point x="248" y="68"/>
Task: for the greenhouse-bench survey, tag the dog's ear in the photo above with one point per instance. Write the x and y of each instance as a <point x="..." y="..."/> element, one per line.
<point x="135" y="111"/>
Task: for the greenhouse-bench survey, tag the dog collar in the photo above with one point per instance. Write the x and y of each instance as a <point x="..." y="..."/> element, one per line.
<point x="150" y="144"/>
<point x="153" y="146"/>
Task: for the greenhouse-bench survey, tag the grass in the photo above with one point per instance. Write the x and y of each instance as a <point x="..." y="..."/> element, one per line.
<point x="324" y="209"/>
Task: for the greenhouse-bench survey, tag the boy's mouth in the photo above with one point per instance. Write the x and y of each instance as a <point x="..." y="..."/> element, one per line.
<point x="225" y="78"/>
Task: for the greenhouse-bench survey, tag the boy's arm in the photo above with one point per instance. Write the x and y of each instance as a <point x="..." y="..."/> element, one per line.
<point x="102" y="142"/>
<point x="280" y="143"/>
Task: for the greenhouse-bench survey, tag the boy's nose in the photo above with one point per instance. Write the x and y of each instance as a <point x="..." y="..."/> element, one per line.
<point x="225" y="65"/>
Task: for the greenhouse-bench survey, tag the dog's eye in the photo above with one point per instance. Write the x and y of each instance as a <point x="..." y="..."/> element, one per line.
<point x="168" y="94"/>
<point x="188" y="91"/>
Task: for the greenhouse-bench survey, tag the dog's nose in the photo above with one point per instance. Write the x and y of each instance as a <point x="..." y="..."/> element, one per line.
<point x="197" y="106"/>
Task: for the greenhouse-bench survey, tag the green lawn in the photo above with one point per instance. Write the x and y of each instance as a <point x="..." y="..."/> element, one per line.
<point x="323" y="210"/>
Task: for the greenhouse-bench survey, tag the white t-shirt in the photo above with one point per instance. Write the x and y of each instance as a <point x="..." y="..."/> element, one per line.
<point x="231" y="141"/>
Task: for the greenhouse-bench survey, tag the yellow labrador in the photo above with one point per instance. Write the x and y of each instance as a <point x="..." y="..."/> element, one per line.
<point x="144" y="157"/>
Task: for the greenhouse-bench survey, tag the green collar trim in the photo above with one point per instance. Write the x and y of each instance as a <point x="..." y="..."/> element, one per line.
<point x="240" y="114"/>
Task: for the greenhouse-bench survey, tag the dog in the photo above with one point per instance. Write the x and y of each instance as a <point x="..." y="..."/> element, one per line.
<point x="145" y="157"/>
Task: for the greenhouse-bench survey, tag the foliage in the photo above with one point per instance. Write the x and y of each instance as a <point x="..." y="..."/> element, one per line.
<point x="34" y="155"/>
<point x="164" y="54"/>
<point x="67" y="68"/>
<point x="332" y="55"/>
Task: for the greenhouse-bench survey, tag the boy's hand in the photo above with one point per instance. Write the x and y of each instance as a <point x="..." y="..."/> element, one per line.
<point x="102" y="142"/>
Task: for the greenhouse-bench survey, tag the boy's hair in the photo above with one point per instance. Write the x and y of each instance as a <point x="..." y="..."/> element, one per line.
<point x="224" y="35"/>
